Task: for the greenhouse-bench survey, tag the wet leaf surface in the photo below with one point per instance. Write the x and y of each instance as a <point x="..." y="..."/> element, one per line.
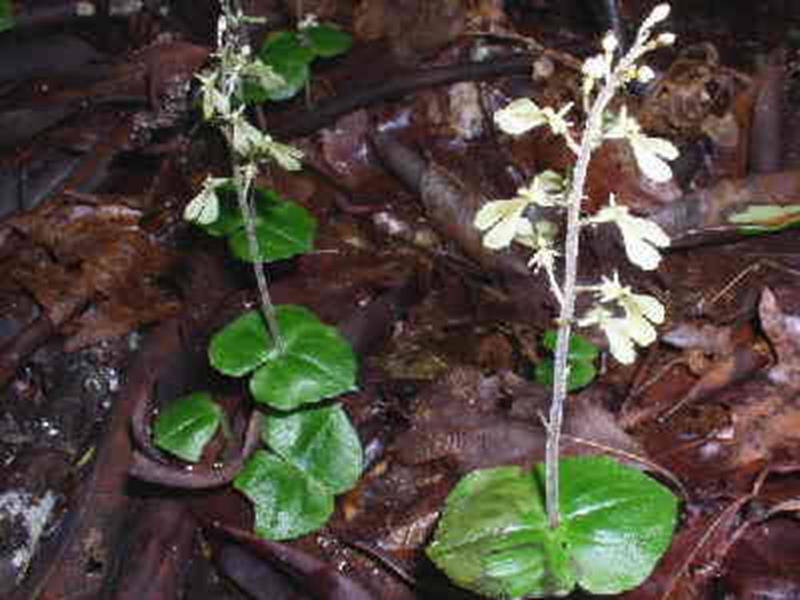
<point x="108" y="300"/>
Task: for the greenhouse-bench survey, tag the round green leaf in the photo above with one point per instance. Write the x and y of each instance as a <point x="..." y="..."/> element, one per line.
<point x="186" y="425"/>
<point x="241" y="346"/>
<point x="493" y="536"/>
<point x="284" y="52"/>
<point x="6" y="15"/>
<point x="321" y="442"/>
<point x="287" y="503"/>
<point x="283" y="229"/>
<point x="579" y="347"/>
<point x="617" y="521"/>
<point x="317" y="363"/>
<point x="581" y="373"/>
<point x="327" y="41"/>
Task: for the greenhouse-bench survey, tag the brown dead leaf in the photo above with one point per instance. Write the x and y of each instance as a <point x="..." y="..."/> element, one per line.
<point x="415" y="29"/>
<point x="80" y="255"/>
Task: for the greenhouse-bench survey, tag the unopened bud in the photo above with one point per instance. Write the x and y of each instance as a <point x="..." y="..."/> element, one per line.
<point x="666" y="39"/>
<point x="659" y="13"/>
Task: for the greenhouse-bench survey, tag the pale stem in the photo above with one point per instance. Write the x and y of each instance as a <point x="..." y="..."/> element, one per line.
<point x="591" y="134"/>
<point x="244" y="195"/>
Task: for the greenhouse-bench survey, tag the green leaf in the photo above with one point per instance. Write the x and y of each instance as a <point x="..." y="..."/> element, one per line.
<point x="187" y="425"/>
<point x="760" y="218"/>
<point x="321" y="442"/>
<point x="581" y="373"/>
<point x="6" y="15"/>
<point x="317" y="363"/>
<point x="284" y="52"/>
<point x="618" y="522"/>
<point x="327" y="41"/>
<point x="241" y="346"/>
<point x="283" y="229"/>
<point x="579" y="347"/>
<point x="287" y="503"/>
<point x="493" y="537"/>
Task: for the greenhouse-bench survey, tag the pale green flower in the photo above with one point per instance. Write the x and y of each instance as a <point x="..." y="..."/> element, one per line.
<point x="546" y="189"/>
<point x="263" y="75"/>
<point x="642" y="238"/>
<point x="252" y="143"/>
<point x="596" y="67"/>
<point x="539" y="237"/>
<point x="501" y="220"/>
<point x="285" y="155"/>
<point x="523" y="114"/>
<point x="214" y="102"/>
<point x="519" y="116"/>
<point x="634" y="327"/>
<point x="648" y="151"/>
<point x="638" y="307"/>
<point x="248" y="141"/>
<point x="204" y="207"/>
<point x="620" y="343"/>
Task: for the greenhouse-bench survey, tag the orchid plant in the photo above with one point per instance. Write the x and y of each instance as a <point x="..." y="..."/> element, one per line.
<point x="628" y="319"/>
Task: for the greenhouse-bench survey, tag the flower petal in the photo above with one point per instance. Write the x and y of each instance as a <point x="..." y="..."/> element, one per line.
<point x="520" y="116"/>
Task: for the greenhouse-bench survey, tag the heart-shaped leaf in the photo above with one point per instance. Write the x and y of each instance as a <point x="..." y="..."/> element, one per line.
<point x="579" y="347"/>
<point x="290" y="59"/>
<point x="327" y="41"/>
<point x="317" y="363"/>
<point x="287" y="503"/>
<point x="321" y="442"/>
<point x="581" y="373"/>
<point x="186" y="425"/>
<point x="493" y="537"/>
<point x="283" y="229"/>
<point x="241" y="346"/>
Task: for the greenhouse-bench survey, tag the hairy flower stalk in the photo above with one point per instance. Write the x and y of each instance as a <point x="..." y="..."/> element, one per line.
<point x="222" y="88"/>
<point x="591" y="135"/>
<point x="630" y="322"/>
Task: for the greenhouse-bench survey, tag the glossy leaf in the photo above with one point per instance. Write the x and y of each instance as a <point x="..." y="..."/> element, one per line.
<point x="321" y="442"/>
<point x="493" y="536"/>
<point x="6" y="15"/>
<point x="760" y="218"/>
<point x="579" y="347"/>
<point x="241" y="346"/>
<point x="283" y="229"/>
<point x="290" y="59"/>
<point x="316" y="363"/>
<point x="187" y="425"/>
<point x="327" y="41"/>
<point x="581" y="373"/>
<point x="286" y="502"/>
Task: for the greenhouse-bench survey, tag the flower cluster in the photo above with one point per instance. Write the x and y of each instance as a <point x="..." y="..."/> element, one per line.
<point x="222" y="90"/>
<point x="627" y="318"/>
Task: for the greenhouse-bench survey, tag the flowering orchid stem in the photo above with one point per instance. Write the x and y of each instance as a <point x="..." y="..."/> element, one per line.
<point x="592" y="132"/>
<point x="244" y="195"/>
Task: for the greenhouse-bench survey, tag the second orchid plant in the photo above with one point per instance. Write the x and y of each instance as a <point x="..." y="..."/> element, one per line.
<point x="626" y="318"/>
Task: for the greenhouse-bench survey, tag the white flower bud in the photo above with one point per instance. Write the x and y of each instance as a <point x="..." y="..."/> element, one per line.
<point x="610" y="43"/>
<point x="659" y="13"/>
<point x="645" y="74"/>
<point x="666" y="39"/>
